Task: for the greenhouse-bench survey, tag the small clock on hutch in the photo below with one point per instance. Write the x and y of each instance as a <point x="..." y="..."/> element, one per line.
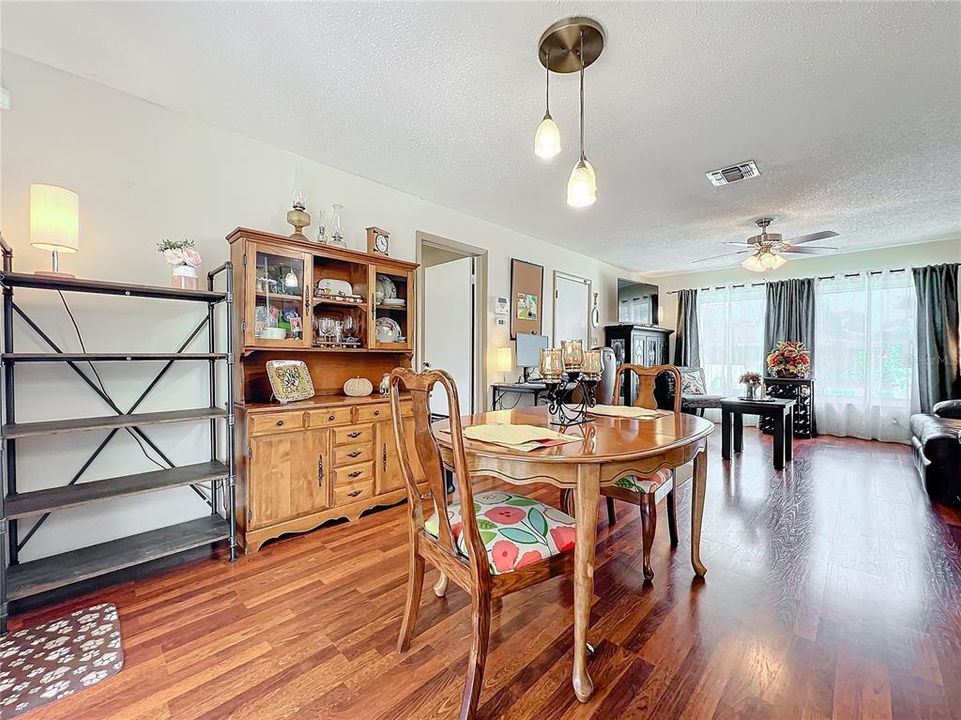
<point x="378" y="241"/>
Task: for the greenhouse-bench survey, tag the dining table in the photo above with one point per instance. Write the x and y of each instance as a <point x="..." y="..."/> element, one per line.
<point x="607" y="449"/>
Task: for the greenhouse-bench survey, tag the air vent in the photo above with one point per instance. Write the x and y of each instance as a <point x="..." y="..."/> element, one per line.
<point x="728" y="175"/>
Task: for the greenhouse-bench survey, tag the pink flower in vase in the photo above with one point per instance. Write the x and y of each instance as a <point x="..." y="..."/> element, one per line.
<point x="174" y="256"/>
<point x="191" y="257"/>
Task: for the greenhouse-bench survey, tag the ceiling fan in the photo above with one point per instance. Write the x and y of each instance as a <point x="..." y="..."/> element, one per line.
<point x="766" y="249"/>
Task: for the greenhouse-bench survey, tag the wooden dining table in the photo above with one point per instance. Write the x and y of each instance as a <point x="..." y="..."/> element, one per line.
<point x="608" y="448"/>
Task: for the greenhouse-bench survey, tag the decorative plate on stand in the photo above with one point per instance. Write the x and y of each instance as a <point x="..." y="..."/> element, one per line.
<point x="290" y="380"/>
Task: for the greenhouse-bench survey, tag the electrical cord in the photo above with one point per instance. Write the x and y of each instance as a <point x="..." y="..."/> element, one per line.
<point x="103" y="388"/>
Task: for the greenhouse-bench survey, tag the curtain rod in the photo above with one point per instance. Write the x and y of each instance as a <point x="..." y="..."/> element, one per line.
<point x="822" y="277"/>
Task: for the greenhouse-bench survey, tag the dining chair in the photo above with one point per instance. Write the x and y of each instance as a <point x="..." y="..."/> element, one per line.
<point x="507" y="542"/>
<point x="641" y="491"/>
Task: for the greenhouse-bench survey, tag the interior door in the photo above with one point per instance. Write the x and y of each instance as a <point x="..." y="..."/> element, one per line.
<point x="449" y="329"/>
<point x="572" y="307"/>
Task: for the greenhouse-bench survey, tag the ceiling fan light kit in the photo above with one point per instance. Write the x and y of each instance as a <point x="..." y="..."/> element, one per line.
<point x="767" y="249"/>
<point x="567" y="46"/>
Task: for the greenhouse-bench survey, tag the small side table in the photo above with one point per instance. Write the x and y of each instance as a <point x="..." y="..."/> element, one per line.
<point x="780" y="411"/>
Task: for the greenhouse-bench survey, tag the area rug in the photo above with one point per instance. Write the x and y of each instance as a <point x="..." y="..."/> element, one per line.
<point x="59" y="658"/>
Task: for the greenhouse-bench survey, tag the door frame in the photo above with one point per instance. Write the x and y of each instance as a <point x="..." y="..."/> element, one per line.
<point x="479" y="314"/>
<point x="590" y="296"/>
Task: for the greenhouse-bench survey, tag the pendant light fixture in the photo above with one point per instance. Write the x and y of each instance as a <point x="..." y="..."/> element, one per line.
<point x="547" y="139"/>
<point x="567" y="46"/>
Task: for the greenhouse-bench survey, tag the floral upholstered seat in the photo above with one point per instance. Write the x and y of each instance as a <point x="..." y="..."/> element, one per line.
<point x="644" y="484"/>
<point x="516" y="530"/>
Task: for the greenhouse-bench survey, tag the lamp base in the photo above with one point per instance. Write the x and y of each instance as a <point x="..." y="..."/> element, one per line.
<point x="54" y="273"/>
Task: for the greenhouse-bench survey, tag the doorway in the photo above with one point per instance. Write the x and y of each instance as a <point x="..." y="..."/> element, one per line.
<point x="450" y="323"/>
<point x="572" y="308"/>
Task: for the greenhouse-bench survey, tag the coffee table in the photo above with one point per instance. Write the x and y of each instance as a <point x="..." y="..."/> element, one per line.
<point x="780" y="410"/>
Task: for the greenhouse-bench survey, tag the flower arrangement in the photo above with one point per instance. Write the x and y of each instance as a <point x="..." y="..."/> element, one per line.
<point x="789" y="359"/>
<point x="750" y="378"/>
<point x="179" y="252"/>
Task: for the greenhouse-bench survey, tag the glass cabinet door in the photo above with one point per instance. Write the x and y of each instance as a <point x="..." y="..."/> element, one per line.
<point x="277" y="283"/>
<point x="392" y="314"/>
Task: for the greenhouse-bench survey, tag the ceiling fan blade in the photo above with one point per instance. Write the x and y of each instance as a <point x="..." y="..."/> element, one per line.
<point x="715" y="257"/>
<point x="814" y="250"/>
<point x="740" y="243"/>
<point x="812" y="237"/>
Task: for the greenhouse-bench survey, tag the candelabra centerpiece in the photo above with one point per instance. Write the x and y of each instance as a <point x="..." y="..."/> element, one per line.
<point x="582" y="369"/>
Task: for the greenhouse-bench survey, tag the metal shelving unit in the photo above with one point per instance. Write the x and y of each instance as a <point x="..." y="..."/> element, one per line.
<point x="213" y="480"/>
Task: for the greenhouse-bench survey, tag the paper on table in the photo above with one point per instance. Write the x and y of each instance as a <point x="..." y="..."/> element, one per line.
<point x="626" y="411"/>
<point x="516" y="435"/>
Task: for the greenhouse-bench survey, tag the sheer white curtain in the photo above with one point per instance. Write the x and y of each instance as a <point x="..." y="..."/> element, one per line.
<point x="731" y="332"/>
<point x="866" y="378"/>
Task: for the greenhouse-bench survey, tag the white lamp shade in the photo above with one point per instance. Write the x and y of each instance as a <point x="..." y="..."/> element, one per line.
<point x="504" y="359"/>
<point x="54" y="218"/>
<point x="753" y="264"/>
<point x="547" y="139"/>
<point x="582" y="185"/>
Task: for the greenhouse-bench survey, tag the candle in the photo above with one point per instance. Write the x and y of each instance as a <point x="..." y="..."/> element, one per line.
<point x="573" y="353"/>
<point x="551" y="364"/>
<point x="592" y="364"/>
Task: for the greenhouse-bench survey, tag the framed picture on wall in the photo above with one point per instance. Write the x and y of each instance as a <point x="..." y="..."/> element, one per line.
<point x="527" y="295"/>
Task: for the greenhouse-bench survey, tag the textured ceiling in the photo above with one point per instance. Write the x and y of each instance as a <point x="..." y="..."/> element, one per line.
<point x="852" y="110"/>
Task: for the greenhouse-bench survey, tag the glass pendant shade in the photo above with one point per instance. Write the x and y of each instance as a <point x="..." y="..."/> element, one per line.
<point x="582" y="185"/>
<point x="547" y="139"/>
<point x="753" y="264"/>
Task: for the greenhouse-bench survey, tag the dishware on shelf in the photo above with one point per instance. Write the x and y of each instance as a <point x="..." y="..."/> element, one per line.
<point x="273" y="333"/>
<point x="336" y="288"/>
<point x="386" y="286"/>
<point x="289" y="380"/>
<point x="394" y="302"/>
<point x="387" y="330"/>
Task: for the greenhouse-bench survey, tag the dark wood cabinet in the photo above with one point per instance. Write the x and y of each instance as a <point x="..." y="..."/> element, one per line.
<point x="637" y="345"/>
<point x="802" y="391"/>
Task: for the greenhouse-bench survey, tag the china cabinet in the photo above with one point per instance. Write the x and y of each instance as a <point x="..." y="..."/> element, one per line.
<point x="346" y="314"/>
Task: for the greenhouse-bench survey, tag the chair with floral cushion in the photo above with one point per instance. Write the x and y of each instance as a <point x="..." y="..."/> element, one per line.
<point x="641" y="490"/>
<point x="507" y="542"/>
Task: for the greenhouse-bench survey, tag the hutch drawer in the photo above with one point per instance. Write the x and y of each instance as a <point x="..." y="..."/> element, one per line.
<point x="361" y="490"/>
<point x="351" y="434"/>
<point x="330" y="416"/>
<point x="276" y="422"/>
<point x="351" y="474"/>
<point x="348" y="454"/>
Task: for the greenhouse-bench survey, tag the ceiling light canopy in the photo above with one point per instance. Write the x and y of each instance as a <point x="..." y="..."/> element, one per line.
<point x="567" y="46"/>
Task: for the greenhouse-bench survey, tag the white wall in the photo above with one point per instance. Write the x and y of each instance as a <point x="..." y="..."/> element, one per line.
<point x="904" y="256"/>
<point x="143" y="174"/>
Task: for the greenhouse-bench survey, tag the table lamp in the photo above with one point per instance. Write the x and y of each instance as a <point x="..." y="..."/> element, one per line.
<point x="54" y="223"/>
<point x="504" y="359"/>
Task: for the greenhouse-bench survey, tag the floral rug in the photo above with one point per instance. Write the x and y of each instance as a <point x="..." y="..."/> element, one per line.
<point x="59" y="658"/>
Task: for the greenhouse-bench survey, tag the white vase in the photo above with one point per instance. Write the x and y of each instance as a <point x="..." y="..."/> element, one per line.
<point x="185" y="277"/>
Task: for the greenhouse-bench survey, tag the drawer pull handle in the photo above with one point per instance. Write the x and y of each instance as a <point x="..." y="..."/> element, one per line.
<point x="320" y="471"/>
<point x="279" y="423"/>
<point x="355" y="473"/>
<point x="354" y="493"/>
<point x="354" y="434"/>
<point x="376" y="413"/>
<point x="330" y="418"/>
<point x="384" y="456"/>
<point x="353" y="453"/>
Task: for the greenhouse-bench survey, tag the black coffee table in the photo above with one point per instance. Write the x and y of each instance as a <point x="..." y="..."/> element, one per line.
<point x="779" y="410"/>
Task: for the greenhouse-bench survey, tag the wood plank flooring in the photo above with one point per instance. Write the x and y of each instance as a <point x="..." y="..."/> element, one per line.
<point x="833" y="591"/>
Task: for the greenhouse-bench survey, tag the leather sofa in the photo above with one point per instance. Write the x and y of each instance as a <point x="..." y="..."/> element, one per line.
<point x="936" y="442"/>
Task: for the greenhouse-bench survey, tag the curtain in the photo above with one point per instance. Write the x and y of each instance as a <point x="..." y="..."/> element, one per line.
<point x="732" y="336"/>
<point x="866" y="384"/>
<point x="790" y="314"/>
<point x="686" y="340"/>
<point x="937" y="292"/>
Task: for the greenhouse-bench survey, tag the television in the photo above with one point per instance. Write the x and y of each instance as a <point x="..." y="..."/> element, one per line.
<point x="527" y="351"/>
<point x="636" y="302"/>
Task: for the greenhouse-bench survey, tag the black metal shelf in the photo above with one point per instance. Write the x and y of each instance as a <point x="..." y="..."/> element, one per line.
<point x="105" y="357"/>
<point x="55" y="427"/>
<point x="39" y="502"/>
<point x="56" y="571"/>
<point x="103" y="287"/>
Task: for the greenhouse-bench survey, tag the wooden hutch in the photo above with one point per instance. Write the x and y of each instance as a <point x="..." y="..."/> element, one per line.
<point x="304" y="463"/>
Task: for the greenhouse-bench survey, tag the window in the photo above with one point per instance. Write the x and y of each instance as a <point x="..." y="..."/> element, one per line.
<point x="865" y="369"/>
<point x="731" y="330"/>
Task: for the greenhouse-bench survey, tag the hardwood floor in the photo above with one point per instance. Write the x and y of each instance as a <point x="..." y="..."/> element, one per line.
<point x="833" y="590"/>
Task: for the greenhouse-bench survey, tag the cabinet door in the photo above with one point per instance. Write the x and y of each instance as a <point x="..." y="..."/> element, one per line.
<point x="388" y="474"/>
<point x="391" y="309"/>
<point x="288" y="476"/>
<point x="277" y="313"/>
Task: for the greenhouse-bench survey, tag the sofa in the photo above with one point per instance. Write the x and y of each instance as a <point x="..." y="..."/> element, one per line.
<point x="936" y="443"/>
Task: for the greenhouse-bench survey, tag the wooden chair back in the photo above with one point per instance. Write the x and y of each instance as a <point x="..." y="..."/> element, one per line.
<point x="646" y="377"/>
<point x="420" y="385"/>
